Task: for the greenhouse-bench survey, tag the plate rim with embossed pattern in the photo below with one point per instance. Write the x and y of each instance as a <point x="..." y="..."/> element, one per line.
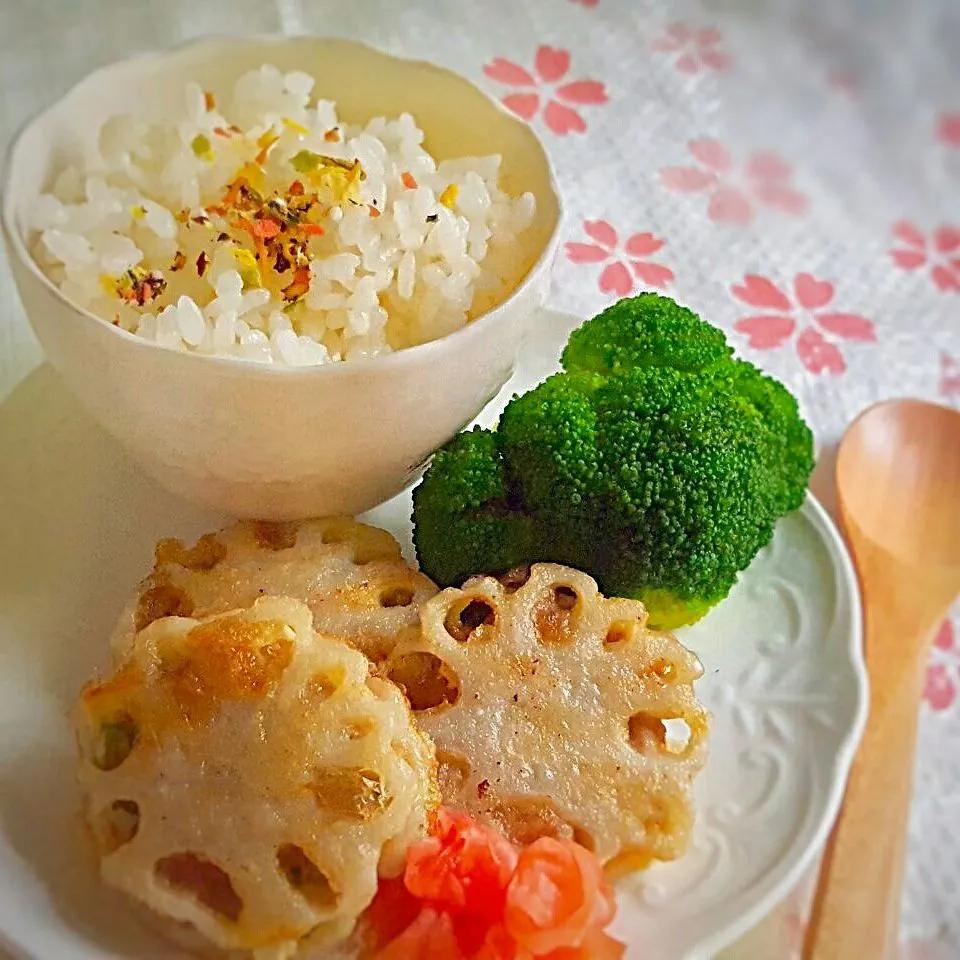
<point x="695" y="941"/>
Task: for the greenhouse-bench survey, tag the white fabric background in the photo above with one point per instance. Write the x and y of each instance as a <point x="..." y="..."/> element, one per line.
<point x="849" y="92"/>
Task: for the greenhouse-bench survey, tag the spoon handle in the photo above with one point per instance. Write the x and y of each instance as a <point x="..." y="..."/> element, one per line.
<point x="856" y="910"/>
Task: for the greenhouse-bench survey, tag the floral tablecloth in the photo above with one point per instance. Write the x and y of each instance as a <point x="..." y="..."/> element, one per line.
<point x="789" y="168"/>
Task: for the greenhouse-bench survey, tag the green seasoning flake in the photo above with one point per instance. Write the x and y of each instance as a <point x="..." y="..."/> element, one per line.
<point x="115" y="742"/>
<point x="201" y="147"/>
<point x="306" y="161"/>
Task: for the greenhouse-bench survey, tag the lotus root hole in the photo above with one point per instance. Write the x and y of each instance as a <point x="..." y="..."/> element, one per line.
<point x="515" y="578"/>
<point x="553" y="615"/>
<point x="163" y="600"/>
<point x="427" y="681"/>
<point x="306" y="877"/>
<point x="620" y="631"/>
<point x="117" y="825"/>
<point x="359" y="728"/>
<point x="565" y="597"/>
<point x="452" y="773"/>
<point x="205" y="881"/>
<point x="526" y="819"/>
<point x="662" y="670"/>
<point x="396" y="597"/>
<point x="115" y="740"/>
<point x="275" y="536"/>
<point x="463" y="619"/>
<point x="325" y="683"/>
<point x="204" y="555"/>
<point x="646" y="733"/>
<point x="678" y="734"/>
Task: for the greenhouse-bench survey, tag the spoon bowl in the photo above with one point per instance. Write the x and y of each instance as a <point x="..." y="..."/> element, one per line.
<point x="898" y="472"/>
<point x="898" y="488"/>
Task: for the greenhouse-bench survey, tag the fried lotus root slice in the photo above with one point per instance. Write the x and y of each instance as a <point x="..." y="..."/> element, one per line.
<point x="249" y="778"/>
<point x="555" y="711"/>
<point x="351" y="575"/>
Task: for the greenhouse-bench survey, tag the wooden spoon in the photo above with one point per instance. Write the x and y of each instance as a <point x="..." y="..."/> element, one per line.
<point x="898" y="486"/>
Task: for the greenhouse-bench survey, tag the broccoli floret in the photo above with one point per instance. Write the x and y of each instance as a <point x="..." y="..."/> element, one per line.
<point x="645" y="331"/>
<point x="791" y="437"/>
<point x="692" y="492"/>
<point x="465" y="520"/>
<point x="657" y="463"/>
<point x="548" y="438"/>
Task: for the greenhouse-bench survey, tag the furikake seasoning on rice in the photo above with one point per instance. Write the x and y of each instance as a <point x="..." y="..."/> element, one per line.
<point x="264" y="228"/>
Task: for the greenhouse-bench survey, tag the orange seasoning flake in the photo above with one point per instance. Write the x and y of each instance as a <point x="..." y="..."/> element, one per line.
<point x="299" y="286"/>
<point x="209" y="100"/>
<point x="408" y="180"/>
<point x="266" y="228"/>
<point x="136" y="286"/>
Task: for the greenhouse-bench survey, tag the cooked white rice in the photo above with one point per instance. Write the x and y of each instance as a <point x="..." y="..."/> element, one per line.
<point x="373" y="246"/>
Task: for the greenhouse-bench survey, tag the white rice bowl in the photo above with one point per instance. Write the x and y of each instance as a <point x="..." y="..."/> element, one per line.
<point x="372" y="247"/>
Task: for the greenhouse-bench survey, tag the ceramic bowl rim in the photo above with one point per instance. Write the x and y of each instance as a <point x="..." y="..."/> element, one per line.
<point x="396" y="359"/>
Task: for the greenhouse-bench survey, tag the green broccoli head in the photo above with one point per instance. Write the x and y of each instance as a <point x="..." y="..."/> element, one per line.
<point x="465" y="518"/>
<point x="657" y="463"/>
<point x="692" y="489"/>
<point x="645" y="331"/>
<point x="791" y="439"/>
<point x="548" y="438"/>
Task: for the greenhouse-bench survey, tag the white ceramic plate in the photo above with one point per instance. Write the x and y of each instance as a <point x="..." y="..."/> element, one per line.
<point x="784" y="679"/>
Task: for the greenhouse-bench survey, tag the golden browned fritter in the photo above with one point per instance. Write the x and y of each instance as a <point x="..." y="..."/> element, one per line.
<point x="351" y="575"/>
<point x="249" y="778"/>
<point x="549" y="706"/>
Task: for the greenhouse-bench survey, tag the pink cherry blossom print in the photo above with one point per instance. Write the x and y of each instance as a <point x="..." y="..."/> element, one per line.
<point x="946" y="638"/>
<point x="940" y="689"/>
<point x="949" y="376"/>
<point x="805" y="319"/>
<point x="765" y="180"/>
<point x="817" y="354"/>
<point x="940" y="252"/>
<point x="948" y="129"/>
<point x="695" y="50"/>
<point x="616" y="279"/>
<point x="542" y="88"/>
<point x="943" y="673"/>
<point x="624" y="264"/>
